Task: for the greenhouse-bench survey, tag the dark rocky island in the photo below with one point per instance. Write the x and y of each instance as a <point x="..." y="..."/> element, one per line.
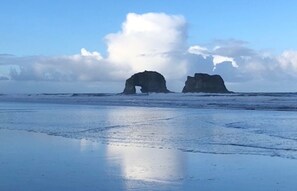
<point x="205" y="83"/>
<point x="149" y="81"/>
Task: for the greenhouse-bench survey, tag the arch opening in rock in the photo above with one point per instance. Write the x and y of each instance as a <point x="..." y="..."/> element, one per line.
<point x="148" y="81"/>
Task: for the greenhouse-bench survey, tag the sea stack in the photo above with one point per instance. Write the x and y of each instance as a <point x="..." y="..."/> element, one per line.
<point x="204" y="83"/>
<point x="149" y="81"/>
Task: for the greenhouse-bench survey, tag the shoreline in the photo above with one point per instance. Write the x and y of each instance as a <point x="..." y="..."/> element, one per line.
<point x="37" y="161"/>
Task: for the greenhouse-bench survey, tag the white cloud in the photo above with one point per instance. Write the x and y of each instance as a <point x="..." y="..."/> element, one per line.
<point x="199" y="50"/>
<point x="61" y="68"/>
<point x="154" y="41"/>
<point x="288" y="61"/>
<point x="217" y="59"/>
<point x="85" y="53"/>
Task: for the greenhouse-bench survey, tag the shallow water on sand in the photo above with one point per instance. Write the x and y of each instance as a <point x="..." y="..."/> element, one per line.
<point x="46" y="146"/>
<point x="35" y="161"/>
<point x="217" y="131"/>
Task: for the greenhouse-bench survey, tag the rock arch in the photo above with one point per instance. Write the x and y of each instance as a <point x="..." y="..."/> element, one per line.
<point x="149" y="81"/>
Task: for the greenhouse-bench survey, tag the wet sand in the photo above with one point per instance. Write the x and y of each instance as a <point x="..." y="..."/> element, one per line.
<point x="36" y="161"/>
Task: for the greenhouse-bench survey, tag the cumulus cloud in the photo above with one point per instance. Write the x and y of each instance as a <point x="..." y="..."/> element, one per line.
<point x="155" y="41"/>
<point x="246" y="69"/>
<point x="288" y="61"/>
<point x="199" y="50"/>
<point x="95" y="55"/>
<point x="150" y="42"/>
<point x="216" y="59"/>
<point x="81" y="67"/>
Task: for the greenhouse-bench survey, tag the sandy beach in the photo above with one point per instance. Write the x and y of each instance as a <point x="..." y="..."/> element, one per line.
<point x="35" y="161"/>
<point x="54" y="146"/>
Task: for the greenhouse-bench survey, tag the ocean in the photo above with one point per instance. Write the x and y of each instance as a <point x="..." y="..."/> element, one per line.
<point x="239" y="141"/>
<point x="242" y="123"/>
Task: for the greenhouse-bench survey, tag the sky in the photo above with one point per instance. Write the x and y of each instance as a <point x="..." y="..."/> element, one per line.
<point x="51" y="46"/>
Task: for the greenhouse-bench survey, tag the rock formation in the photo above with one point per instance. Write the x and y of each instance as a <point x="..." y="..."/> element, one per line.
<point x="205" y="83"/>
<point x="149" y="81"/>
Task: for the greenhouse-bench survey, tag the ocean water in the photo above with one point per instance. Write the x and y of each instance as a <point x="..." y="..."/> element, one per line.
<point x="248" y="124"/>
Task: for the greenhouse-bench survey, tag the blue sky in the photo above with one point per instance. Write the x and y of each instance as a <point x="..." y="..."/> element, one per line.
<point x="252" y="44"/>
<point x="55" y="27"/>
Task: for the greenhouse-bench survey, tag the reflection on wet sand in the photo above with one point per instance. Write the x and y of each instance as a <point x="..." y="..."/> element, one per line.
<point x="137" y="163"/>
<point x="160" y="165"/>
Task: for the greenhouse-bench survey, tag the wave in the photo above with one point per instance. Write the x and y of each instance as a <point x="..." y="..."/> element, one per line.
<point x="244" y="101"/>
